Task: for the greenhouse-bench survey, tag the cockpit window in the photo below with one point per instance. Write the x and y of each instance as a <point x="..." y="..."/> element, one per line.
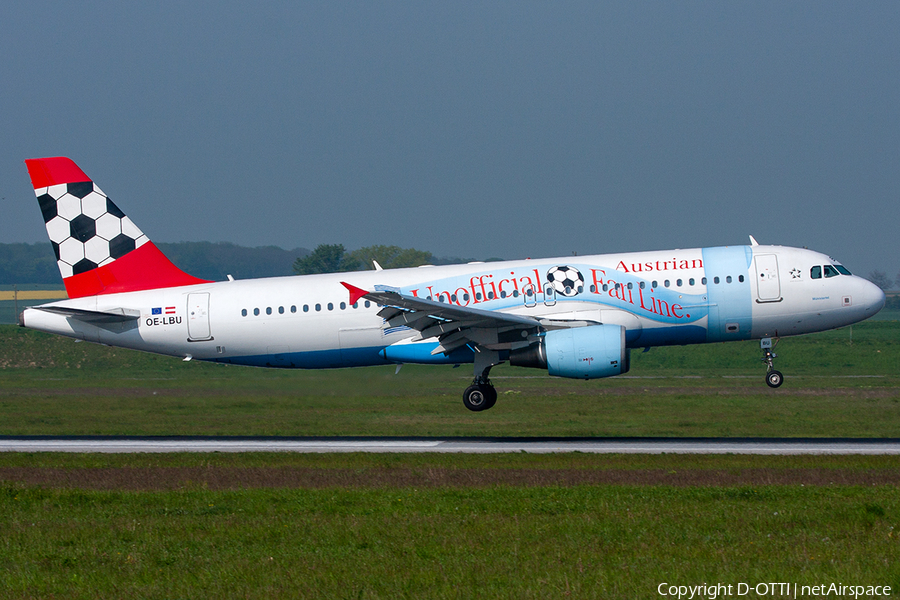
<point x="842" y="269"/>
<point x="815" y="272"/>
<point x="830" y="271"/>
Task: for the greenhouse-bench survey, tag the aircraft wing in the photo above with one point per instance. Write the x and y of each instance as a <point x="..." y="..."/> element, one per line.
<point x="456" y="326"/>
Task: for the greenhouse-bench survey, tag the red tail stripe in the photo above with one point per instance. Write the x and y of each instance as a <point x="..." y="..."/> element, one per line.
<point x="145" y="268"/>
<point x="52" y="171"/>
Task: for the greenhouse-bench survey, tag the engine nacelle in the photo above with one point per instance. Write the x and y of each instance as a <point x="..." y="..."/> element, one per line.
<point x="580" y="352"/>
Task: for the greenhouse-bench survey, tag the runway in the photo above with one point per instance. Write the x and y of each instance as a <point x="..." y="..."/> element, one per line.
<point x="463" y="445"/>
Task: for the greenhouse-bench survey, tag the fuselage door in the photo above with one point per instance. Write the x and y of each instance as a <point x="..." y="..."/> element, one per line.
<point x="768" y="286"/>
<point x="530" y="294"/>
<point x="198" y="317"/>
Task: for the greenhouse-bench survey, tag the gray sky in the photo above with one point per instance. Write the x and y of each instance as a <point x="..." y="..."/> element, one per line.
<point x="507" y="129"/>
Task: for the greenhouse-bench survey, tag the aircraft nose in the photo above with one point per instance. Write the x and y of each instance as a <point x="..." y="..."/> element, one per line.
<point x="872" y="297"/>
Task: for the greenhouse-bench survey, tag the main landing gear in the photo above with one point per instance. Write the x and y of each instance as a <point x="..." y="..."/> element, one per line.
<point x="773" y="378"/>
<point x="481" y="395"/>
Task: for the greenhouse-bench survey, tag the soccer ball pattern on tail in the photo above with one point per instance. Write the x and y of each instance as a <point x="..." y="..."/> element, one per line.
<point x="98" y="249"/>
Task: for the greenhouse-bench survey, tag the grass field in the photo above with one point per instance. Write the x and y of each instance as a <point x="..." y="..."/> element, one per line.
<point x="382" y="526"/>
<point x="446" y="526"/>
<point x="834" y="387"/>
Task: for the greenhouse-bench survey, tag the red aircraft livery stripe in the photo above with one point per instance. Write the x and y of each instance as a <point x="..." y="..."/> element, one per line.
<point x="145" y="268"/>
<point x="53" y="171"/>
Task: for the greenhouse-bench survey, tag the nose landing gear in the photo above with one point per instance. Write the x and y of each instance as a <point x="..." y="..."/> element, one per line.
<point x="773" y="378"/>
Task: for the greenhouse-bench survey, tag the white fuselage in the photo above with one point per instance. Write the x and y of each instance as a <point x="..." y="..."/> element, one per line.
<point x="660" y="297"/>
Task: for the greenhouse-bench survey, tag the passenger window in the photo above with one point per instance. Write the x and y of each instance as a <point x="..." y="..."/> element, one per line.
<point x="630" y="286"/>
<point x="478" y="296"/>
<point x="515" y="293"/>
<point x="831" y="271"/>
<point x="655" y="284"/>
<point x="691" y="281"/>
<point x="490" y="295"/>
<point x="306" y="308"/>
<point x="243" y="312"/>
<point x="728" y="279"/>
<point x="330" y="306"/>
<point x="318" y="307"/>
<point x="678" y="283"/>
<point x="356" y="304"/>
<point x="593" y="289"/>
<point x="502" y="294"/>
<point x="815" y="273"/>
<point x="280" y="310"/>
<point x="367" y="303"/>
<point x="465" y="297"/>
<point x="741" y="278"/>
<point x="268" y="310"/>
<point x="294" y="308"/>
<point x="641" y="285"/>
<point x="715" y="280"/>
<point x="255" y="312"/>
<point x="703" y="281"/>
<point x="666" y="283"/>
<point x="343" y="305"/>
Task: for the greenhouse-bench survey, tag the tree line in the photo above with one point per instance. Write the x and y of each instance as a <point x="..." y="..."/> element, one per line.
<point x="35" y="263"/>
<point x="334" y="258"/>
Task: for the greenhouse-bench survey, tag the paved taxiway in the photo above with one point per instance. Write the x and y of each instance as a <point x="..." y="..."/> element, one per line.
<point x="449" y="445"/>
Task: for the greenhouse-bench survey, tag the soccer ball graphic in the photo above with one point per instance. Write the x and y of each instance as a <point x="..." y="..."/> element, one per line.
<point x="86" y="229"/>
<point x="567" y="281"/>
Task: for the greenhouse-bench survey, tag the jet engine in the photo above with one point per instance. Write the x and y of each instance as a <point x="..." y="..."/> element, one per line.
<point x="579" y="353"/>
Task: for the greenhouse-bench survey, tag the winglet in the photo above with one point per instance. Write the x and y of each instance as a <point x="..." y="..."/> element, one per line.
<point x="355" y="292"/>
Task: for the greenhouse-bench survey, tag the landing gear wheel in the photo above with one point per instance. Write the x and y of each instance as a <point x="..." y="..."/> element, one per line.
<point x="479" y="397"/>
<point x="491" y="393"/>
<point x="474" y="398"/>
<point x="774" y="379"/>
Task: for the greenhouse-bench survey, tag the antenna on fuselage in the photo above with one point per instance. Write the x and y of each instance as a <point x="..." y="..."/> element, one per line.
<point x="753" y="241"/>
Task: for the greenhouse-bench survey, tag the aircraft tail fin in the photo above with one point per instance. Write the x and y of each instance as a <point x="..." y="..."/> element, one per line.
<point x="98" y="249"/>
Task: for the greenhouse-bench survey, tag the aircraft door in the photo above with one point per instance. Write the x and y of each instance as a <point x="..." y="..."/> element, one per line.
<point x="768" y="285"/>
<point x="530" y="295"/>
<point x="549" y="295"/>
<point x="198" y="317"/>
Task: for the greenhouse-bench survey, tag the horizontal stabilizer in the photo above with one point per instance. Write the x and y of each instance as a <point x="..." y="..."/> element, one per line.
<point x="114" y="315"/>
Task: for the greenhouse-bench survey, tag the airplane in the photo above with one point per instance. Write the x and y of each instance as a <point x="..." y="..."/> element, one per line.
<point x="577" y="317"/>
